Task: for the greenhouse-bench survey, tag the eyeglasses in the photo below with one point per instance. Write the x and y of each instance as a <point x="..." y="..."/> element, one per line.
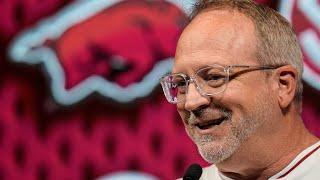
<point x="209" y="80"/>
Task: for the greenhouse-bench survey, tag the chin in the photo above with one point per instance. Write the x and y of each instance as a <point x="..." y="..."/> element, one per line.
<point x="217" y="152"/>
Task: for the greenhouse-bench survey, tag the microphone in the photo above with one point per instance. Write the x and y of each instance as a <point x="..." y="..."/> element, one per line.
<point x="193" y="172"/>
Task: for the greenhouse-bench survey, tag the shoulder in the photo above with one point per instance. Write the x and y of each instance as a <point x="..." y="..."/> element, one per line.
<point x="306" y="165"/>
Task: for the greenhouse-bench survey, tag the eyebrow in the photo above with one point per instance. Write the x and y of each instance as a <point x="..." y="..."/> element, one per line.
<point x="199" y="67"/>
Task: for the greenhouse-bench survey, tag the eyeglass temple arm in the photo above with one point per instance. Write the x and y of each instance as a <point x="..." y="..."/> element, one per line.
<point x="254" y="67"/>
<point x="248" y="68"/>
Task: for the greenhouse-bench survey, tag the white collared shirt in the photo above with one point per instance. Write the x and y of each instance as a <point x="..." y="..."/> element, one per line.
<point x="305" y="166"/>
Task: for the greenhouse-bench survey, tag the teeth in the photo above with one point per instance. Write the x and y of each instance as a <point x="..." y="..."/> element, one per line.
<point x="211" y="123"/>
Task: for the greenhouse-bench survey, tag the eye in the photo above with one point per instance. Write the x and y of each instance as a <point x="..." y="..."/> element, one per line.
<point x="177" y="84"/>
<point x="180" y="83"/>
<point x="215" y="79"/>
<point x="180" y="87"/>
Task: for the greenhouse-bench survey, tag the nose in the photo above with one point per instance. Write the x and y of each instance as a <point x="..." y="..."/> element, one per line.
<point x="194" y="99"/>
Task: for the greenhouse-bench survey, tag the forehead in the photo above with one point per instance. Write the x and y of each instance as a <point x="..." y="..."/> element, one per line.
<point x="216" y="37"/>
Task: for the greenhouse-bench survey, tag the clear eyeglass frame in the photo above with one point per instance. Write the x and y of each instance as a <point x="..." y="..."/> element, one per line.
<point x="205" y="86"/>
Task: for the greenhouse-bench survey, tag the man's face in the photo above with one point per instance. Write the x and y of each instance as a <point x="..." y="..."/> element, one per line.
<point x="228" y="119"/>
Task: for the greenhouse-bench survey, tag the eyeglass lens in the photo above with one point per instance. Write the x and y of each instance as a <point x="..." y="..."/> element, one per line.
<point x="209" y="81"/>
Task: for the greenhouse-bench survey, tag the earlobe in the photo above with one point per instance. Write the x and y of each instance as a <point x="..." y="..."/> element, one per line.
<point x="287" y="84"/>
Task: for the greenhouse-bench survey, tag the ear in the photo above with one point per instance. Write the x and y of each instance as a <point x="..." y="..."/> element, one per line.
<point x="287" y="83"/>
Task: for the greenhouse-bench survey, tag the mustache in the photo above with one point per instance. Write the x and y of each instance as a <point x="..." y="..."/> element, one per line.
<point x="207" y="111"/>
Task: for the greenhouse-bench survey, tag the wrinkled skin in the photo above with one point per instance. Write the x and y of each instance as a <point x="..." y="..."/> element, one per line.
<point x="263" y="130"/>
<point x="246" y="101"/>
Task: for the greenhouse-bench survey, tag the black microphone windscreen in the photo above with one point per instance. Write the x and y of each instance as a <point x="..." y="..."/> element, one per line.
<point x="193" y="172"/>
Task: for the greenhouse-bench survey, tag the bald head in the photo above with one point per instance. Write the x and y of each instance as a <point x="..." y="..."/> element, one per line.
<point x="218" y="33"/>
<point x="276" y="42"/>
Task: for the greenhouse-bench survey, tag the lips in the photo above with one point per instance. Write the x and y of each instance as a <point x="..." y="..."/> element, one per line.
<point x="211" y="123"/>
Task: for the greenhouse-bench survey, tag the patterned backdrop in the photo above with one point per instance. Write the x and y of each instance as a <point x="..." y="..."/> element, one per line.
<point x="79" y="92"/>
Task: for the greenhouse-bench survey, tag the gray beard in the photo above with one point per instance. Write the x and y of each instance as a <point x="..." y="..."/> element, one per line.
<point x="214" y="152"/>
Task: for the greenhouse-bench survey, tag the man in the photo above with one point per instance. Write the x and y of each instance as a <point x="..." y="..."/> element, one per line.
<point x="237" y="85"/>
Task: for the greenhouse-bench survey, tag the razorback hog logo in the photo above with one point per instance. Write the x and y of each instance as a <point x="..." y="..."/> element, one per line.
<point x="116" y="48"/>
<point x="305" y="18"/>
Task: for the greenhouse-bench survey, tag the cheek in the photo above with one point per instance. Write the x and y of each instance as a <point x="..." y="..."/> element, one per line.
<point x="184" y="115"/>
<point x="235" y="97"/>
<point x="242" y="100"/>
<point x="247" y="89"/>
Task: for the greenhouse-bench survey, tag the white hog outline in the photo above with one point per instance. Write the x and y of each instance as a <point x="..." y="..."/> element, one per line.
<point x="22" y="49"/>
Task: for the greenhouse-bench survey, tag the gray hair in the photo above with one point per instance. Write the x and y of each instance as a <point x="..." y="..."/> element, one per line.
<point x="278" y="44"/>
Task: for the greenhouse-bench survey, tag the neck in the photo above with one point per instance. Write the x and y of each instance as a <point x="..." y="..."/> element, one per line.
<point x="257" y="159"/>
